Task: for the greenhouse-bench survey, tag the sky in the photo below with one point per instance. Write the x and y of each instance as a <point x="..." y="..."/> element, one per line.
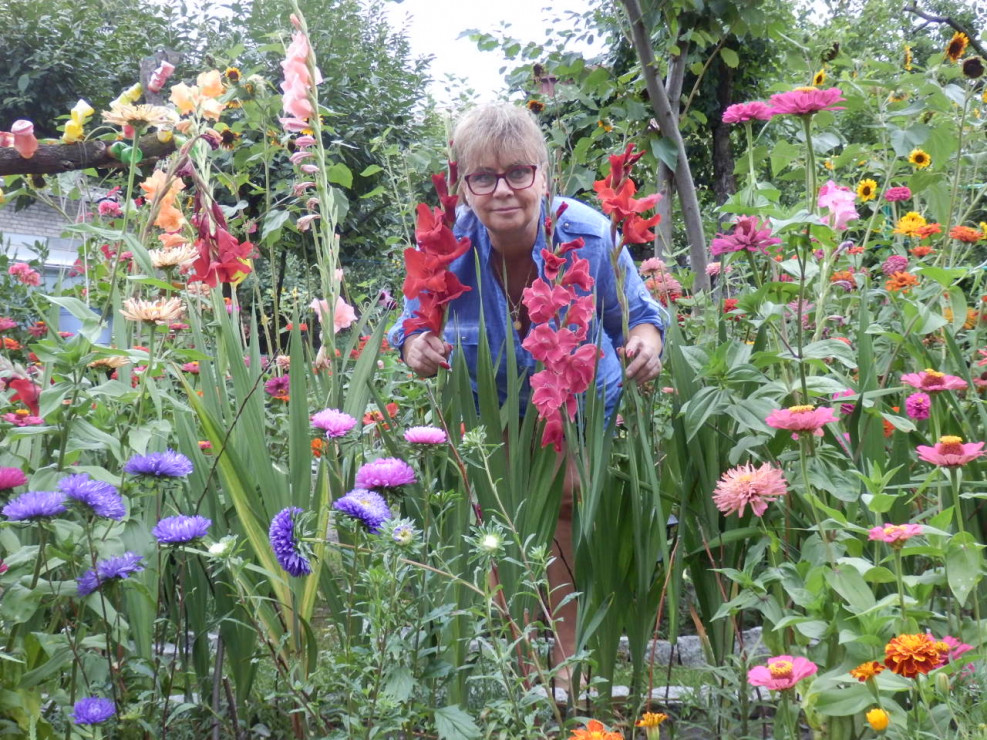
<point x="435" y="25"/>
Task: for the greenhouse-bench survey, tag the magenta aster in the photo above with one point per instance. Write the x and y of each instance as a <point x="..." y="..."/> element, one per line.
<point x="11" y="478"/>
<point x="933" y="381"/>
<point x="950" y="452"/>
<point x="801" y="419"/>
<point x="782" y="672"/>
<point x="746" y="485"/>
<point x="804" y="101"/>
<point x="386" y="472"/>
<point x="426" y="436"/>
<point x="894" y="534"/>
<point x="755" y="110"/>
<point x="333" y="422"/>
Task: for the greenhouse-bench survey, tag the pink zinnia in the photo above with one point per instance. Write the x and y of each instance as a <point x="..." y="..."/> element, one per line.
<point x="845" y="408"/>
<point x="894" y="263"/>
<point x="426" y="436"/>
<point x="956" y="649"/>
<point x="333" y="422"/>
<point x="894" y="195"/>
<point x="278" y="386"/>
<point x="755" y="110"/>
<point x="918" y="406"/>
<point x="745" y="485"/>
<point x="23" y="419"/>
<point x="894" y="534"/>
<point x="748" y="233"/>
<point x="806" y="100"/>
<point x="950" y="452"/>
<point x="11" y="478"/>
<point x="932" y="381"/>
<point x="7" y="324"/>
<point x="801" y="419"/>
<point x="652" y="266"/>
<point x="782" y="672"/>
<point x="386" y="472"/>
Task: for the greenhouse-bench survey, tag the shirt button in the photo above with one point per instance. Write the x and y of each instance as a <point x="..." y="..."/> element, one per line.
<point x="566" y="225"/>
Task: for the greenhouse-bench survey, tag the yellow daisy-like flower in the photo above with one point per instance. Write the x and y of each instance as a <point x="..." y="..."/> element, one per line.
<point x="878" y="719"/>
<point x="819" y="78"/>
<point x="920" y="158"/>
<point x="650" y="722"/>
<point x="228" y="138"/>
<point x="232" y="75"/>
<point x="867" y="190"/>
<point x="828" y="164"/>
<point x="909" y="224"/>
<point x="908" y="59"/>
<point x="897" y="96"/>
<point x="140" y="116"/>
<point x="956" y="47"/>
<point x="866" y="671"/>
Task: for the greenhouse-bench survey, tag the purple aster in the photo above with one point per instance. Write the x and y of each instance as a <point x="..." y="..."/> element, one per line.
<point x="287" y="548"/>
<point x="167" y="464"/>
<point x="177" y="530"/>
<point x="278" y="386"/>
<point x="93" y="710"/>
<point x="367" y="506"/>
<point x="11" y="478"/>
<point x="120" y="566"/>
<point x="333" y="422"/>
<point x="35" y="505"/>
<point x="386" y="472"/>
<point x="426" y="436"/>
<point x="102" y="498"/>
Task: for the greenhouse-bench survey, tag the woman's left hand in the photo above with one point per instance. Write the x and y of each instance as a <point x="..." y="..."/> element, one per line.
<point x="643" y="353"/>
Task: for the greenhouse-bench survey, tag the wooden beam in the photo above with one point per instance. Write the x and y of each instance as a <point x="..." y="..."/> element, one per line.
<point x="50" y="159"/>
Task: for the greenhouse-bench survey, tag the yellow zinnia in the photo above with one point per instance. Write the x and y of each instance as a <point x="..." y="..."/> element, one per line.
<point x="866" y="190"/>
<point x="920" y="158"/>
<point x="878" y="719"/>
<point x="909" y="224"/>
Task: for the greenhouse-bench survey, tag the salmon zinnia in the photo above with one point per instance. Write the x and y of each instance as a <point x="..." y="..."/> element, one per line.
<point x="746" y="485"/>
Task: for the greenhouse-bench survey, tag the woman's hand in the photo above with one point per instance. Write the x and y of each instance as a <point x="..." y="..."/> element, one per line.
<point x="643" y="353"/>
<point x="426" y="353"/>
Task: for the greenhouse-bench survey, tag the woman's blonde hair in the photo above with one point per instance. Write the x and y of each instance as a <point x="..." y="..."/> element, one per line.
<point x="498" y="128"/>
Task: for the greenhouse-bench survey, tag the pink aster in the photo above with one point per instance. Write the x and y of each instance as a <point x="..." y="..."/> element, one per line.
<point x="894" y="534"/>
<point x="894" y="195"/>
<point x="11" y="478"/>
<point x="918" y="406"/>
<point x="426" y="436"/>
<point x="746" y="485"/>
<point x="749" y="233"/>
<point x="782" y="672"/>
<point x="950" y="452"/>
<point x="806" y="100"/>
<point x="333" y="422"/>
<point x="932" y="381"/>
<point x="801" y="419"/>
<point x="755" y="110"/>
<point x="385" y="472"/>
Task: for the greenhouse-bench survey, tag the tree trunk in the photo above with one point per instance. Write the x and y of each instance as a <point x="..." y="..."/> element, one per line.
<point x="724" y="183"/>
<point x="669" y="124"/>
<point x="666" y="178"/>
<point x="51" y="159"/>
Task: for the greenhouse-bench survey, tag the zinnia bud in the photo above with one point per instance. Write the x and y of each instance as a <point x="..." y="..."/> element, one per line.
<point x="878" y="719"/>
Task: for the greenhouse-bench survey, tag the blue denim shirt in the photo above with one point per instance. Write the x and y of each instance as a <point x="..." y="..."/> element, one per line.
<point x="462" y="328"/>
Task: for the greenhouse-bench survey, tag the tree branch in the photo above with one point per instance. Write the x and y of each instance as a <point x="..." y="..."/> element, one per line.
<point x="914" y="9"/>
<point x="50" y="159"/>
<point x="668" y="123"/>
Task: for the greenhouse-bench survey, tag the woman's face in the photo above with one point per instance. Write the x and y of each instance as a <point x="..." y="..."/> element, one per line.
<point x="511" y="216"/>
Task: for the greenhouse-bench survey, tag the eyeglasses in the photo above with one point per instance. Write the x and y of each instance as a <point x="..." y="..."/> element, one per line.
<point x="520" y="177"/>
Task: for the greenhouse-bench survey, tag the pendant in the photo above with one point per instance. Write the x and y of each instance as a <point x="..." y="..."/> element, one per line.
<point x="517" y="324"/>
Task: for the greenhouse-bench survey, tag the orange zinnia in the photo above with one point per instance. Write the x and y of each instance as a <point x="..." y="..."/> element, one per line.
<point x="867" y="670"/>
<point x="922" y="250"/>
<point x="902" y="281"/>
<point x="924" y="232"/>
<point x="966" y="234"/>
<point x="595" y="730"/>
<point x="910" y="655"/>
<point x="10" y="343"/>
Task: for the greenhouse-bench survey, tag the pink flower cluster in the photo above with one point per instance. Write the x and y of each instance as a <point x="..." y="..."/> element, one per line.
<point x="22" y="272"/>
<point x="802" y="101"/>
<point x="749" y="233"/>
<point x="563" y="299"/>
<point x="299" y="82"/>
<point x="838" y="199"/>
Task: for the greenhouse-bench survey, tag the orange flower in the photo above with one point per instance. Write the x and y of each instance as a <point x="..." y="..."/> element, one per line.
<point x="843" y="276"/>
<point x="888" y="426"/>
<point x="866" y="671"/>
<point x="966" y="234"/>
<point x="9" y="343"/>
<point x="922" y="250"/>
<point x="318" y="444"/>
<point x="210" y="83"/>
<point x="595" y="730"/>
<point x="910" y="655"/>
<point x="902" y="281"/>
<point x="924" y="232"/>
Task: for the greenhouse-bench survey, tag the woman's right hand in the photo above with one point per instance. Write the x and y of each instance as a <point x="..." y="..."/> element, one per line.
<point x="425" y="353"/>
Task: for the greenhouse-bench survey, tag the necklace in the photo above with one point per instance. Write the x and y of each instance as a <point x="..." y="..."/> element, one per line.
<point x="515" y="307"/>
<point x="515" y="310"/>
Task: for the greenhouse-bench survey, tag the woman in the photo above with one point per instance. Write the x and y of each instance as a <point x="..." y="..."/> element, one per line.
<point x="503" y="161"/>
